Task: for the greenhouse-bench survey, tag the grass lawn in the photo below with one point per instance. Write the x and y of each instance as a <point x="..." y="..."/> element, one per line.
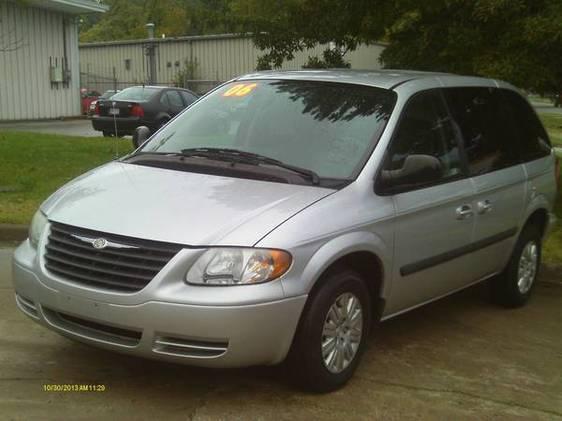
<point x="552" y="252"/>
<point x="32" y="166"/>
<point x="553" y="123"/>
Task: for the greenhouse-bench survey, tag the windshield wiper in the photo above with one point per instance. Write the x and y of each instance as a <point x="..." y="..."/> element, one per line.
<point x="235" y="155"/>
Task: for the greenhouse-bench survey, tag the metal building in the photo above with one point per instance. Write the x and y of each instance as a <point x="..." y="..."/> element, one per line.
<point x="39" y="69"/>
<point x="211" y="59"/>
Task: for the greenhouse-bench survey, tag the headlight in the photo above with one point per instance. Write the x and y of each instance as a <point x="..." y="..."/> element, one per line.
<point x="238" y="266"/>
<point x="38" y="224"/>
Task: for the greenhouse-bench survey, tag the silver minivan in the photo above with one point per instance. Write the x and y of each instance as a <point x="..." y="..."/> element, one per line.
<point x="284" y="214"/>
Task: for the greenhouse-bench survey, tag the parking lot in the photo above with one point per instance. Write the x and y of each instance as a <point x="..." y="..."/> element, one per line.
<point x="459" y="358"/>
<point x="73" y="127"/>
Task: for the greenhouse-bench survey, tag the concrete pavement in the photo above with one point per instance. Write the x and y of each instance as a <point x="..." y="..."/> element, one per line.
<point x="79" y="127"/>
<point x="459" y="358"/>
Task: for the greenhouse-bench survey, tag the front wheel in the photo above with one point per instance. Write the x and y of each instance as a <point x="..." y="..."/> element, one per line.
<point x="514" y="286"/>
<point x="333" y="332"/>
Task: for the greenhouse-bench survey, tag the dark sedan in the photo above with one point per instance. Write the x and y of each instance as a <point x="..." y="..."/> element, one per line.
<point x="151" y="106"/>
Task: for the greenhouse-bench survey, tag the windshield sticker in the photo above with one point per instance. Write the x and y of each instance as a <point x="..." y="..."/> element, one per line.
<point x="240" y="90"/>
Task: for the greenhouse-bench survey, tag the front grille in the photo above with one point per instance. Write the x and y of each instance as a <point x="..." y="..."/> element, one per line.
<point x="126" y="264"/>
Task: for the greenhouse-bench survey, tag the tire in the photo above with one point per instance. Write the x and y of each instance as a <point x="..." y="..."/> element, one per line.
<point x="306" y="359"/>
<point x="107" y="134"/>
<point x="161" y="123"/>
<point x="514" y="286"/>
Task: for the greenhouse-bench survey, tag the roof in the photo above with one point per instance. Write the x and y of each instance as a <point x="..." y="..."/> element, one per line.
<point x="387" y="79"/>
<point x="73" y="7"/>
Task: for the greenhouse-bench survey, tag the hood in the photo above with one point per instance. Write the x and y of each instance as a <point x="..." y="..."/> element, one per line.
<point x="177" y="207"/>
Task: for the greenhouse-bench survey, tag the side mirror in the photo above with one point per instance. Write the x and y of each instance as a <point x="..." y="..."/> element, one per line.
<point x="140" y="135"/>
<point x="417" y="169"/>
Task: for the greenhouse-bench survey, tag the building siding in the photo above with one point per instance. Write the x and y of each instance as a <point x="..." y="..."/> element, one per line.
<point x="218" y="57"/>
<point x="26" y="92"/>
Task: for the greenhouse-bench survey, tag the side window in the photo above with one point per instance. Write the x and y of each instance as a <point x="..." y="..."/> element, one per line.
<point x="532" y="140"/>
<point x="425" y="146"/>
<point x="175" y="99"/>
<point x="486" y="127"/>
<point x="172" y="99"/>
<point x="187" y="98"/>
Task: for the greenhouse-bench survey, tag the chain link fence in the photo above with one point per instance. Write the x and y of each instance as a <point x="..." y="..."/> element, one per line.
<point x="100" y="84"/>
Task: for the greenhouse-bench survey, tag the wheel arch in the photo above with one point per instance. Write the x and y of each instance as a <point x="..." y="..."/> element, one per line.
<point x="362" y="252"/>
<point x="540" y="218"/>
<point x="537" y="212"/>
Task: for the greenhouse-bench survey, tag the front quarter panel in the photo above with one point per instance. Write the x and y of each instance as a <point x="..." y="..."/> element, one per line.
<point x="348" y="221"/>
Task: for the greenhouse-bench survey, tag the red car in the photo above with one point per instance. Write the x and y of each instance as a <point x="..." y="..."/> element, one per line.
<point x="88" y="96"/>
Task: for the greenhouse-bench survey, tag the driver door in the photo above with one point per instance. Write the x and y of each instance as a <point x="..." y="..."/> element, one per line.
<point x="434" y="219"/>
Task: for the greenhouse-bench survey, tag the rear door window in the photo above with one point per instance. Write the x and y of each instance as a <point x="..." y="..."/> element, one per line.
<point x="187" y="97"/>
<point x="172" y="98"/>
<point x="486" y="126"/>
<point x="532" y="139"/>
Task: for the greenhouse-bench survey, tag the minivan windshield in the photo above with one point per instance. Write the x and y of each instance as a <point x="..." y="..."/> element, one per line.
<point x="324" y="127"/>
<point x="135" y="93"/>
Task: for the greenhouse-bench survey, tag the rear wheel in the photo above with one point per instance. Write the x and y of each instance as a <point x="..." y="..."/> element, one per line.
<point x="161" y="123"/>
<point x="514" y="286"/>
<point x="107" y="134"/>
<point x="333" y="332"/>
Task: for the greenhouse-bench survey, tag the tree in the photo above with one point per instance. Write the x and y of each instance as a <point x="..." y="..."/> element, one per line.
<point x="126" y="19"/>
<point x="516" y="40"/>
<point x="283" y="27"/>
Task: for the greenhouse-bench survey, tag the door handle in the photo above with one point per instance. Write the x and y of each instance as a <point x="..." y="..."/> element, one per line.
<point x="484" y="206"/>
<point x="464" y="212"/>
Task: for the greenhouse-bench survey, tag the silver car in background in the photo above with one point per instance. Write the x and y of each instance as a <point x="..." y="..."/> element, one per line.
<point x="285" y="213"/>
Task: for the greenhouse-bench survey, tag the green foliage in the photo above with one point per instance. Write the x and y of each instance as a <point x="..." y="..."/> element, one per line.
<point x="126" y="19"/>
<point x="553" y="122"/>
<point x="515" y="40"/>
<point x="283" y="27"/>
<point x="332" y="59"/>
<point x="185" y="74"/>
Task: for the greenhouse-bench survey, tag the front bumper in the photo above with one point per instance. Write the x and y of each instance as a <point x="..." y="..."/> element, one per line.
<point x="203" y="335"/>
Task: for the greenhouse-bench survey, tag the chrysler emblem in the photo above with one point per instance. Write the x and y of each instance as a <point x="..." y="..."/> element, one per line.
<point x="99" y="243"/>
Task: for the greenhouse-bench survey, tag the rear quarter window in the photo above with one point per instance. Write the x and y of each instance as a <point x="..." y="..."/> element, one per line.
<point x="530" y="135"/>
